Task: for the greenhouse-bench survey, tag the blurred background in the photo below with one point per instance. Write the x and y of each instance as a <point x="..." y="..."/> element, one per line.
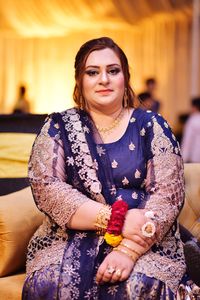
<point x="39" y="40"/>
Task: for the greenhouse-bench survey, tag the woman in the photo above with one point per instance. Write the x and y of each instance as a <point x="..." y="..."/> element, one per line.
<point x="88" y="166"/>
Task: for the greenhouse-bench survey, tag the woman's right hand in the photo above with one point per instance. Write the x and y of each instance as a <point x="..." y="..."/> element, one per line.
<point x="132" y="229"/>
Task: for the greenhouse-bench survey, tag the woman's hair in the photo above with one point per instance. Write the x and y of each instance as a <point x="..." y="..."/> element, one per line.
<point x="80" y="61"/>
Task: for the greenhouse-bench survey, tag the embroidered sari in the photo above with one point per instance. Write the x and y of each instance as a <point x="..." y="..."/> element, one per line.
<point x="69" y="165"/>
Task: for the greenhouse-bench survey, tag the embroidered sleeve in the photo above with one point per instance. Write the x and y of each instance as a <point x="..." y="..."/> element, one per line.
<point x="165" y="175"/>
<point x="48" y="179"/>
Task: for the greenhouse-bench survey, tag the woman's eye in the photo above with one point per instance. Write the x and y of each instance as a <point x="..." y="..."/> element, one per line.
<point x="91" y="72"/>
<point x="114" y="71"/>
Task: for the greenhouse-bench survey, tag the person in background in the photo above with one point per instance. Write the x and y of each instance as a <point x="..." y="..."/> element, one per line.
<point x="151" y="86"/>
<point x="146" y="101"/>
<point x="190" y="145"/>
<point x="109" y="178"/>
<point x="22" y="104"/>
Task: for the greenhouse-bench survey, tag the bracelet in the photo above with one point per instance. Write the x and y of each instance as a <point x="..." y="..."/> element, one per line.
<point x="125" y="252"/>
<point x="102" y="219"/>
<point x="115" y="224"/>
<point x="130" y="248"/>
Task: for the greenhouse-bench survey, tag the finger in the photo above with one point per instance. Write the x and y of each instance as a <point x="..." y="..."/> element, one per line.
<point x="117" y="275"/>
<point x="100" y="273"/>
<point x="125" y="274"/>
<point x="107" y="276"/>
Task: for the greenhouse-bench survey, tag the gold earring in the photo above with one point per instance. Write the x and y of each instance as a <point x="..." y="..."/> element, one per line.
<point x="125" y="99"/>
<point x="82" y="102"/>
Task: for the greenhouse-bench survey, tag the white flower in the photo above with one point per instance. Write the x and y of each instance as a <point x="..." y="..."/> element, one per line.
<point x="95" y="187"/>
<point x="100" y="150"/>
<point x="81" y="136"/>
<point x="114" y="164"/>
<point x="70" y="160"/>
<point x="131" y="146"/>
<point x="176" y="150"/>
<point x="148" y="111"/>
<point x="166" y="125"/>
<point x="69" y="270"/>
<point x="125" y="181"/>
<point x="134" y="195"/>
<point x="74" y="117"/>
<point x="149" y="124"/>
<point x="142" y="132"/>
<point x="88" y="160"/>
<point x="137" y="174"/>
<point x="84" y="147"/>
<point x="86" y="129"/>
<point x="113" y="190"/>
<point x="91" y="174"/>
<point x="132" y="120"/>
<point x="56" y="126"/>
<point x="77" y="125"/>
<point x="173" y="136"/>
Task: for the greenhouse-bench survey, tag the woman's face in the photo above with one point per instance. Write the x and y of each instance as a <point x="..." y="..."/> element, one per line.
<point x="103" y="80"/>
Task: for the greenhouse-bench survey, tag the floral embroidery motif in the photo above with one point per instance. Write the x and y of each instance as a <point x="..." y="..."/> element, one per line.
<point x="114" y="164"/>
<point x="131" y="146"/>
<point x="100" y="150"/>
<point x="166" y="125"/>
<point x="142" y="132"/>
<point x="165" y="186"/>
<point x="70" y="161"/>
<point x="113" y="289"/>
<point x="113" y="190"/>
<point x="132" y="120"/>
<point x="173" y="136"/>
<point x="125" y="181"/>
<point x="137" y="174"/>
<point x="134" y="195"/>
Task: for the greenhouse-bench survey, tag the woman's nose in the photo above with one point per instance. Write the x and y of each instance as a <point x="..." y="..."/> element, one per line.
<point x="104" y="78"/>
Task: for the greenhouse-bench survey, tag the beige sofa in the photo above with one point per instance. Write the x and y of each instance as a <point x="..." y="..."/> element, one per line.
<point x="19" y="218"/>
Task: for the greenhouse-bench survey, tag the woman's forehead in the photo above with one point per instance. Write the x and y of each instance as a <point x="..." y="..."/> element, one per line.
<point x="102" y="57"/>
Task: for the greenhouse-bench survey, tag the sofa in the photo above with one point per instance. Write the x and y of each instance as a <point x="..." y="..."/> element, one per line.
<point x="19" y="217"/>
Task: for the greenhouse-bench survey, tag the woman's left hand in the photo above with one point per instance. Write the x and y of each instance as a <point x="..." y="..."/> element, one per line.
<point x="117" y="266"/>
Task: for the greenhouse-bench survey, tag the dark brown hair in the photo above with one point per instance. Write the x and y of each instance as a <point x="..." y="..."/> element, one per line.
<point x="80" y="61"/>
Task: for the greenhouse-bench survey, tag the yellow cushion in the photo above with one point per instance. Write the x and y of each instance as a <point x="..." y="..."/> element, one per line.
<point x="11" y="287"/>
<point x="15" y="151"/>
<point x="190" y="214"/>
<point x="19" y="218"/>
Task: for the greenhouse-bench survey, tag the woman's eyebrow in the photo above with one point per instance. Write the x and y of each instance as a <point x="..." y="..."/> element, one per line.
<point x="111" y="65"/>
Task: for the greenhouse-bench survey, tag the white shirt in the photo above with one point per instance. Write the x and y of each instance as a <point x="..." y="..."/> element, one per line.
<point x="190" y="147"/>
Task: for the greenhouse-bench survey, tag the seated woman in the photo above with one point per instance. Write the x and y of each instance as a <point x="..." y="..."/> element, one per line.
<point x="109" y="178"/>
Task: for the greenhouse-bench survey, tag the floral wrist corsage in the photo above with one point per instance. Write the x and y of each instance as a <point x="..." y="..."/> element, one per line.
<point x="113" y="232"/>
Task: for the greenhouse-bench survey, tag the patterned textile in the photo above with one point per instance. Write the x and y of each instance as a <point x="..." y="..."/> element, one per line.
<point x="68" y="166"/>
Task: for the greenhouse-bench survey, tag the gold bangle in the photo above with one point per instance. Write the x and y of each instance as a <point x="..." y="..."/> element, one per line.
<point x="125" y="252"/>
<point x="102" y="219"/>
<point x="128" y="247"/>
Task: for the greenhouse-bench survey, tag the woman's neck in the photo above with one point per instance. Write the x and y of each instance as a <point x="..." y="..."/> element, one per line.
<point x="105" y="118"/>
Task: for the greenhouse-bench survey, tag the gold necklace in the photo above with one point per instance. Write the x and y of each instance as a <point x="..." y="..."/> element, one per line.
<point x="115" y="123"/>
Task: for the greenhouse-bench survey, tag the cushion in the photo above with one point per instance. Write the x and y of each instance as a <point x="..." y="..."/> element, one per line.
<point x="11" y="287"/>
<point x="19" y="218"/>
<point x="17" y="133"/>
<point x="190" y="214"/>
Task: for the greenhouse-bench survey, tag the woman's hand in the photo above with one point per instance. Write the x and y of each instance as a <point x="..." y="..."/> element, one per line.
<point x="132" y="229"/>
<point x="116" y="266"/>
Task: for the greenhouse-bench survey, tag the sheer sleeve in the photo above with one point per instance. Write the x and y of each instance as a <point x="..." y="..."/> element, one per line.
<point x="165" y="176"/>
<point x="48" y="178"/>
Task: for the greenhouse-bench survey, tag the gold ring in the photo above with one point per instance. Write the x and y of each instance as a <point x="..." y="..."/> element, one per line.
<point x="118" y="272"/>
<point x="110" y="269"/>
<point x="148" y="229"/>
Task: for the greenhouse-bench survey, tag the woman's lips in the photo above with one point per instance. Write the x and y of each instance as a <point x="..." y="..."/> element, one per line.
<point x="104" y="92"/>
